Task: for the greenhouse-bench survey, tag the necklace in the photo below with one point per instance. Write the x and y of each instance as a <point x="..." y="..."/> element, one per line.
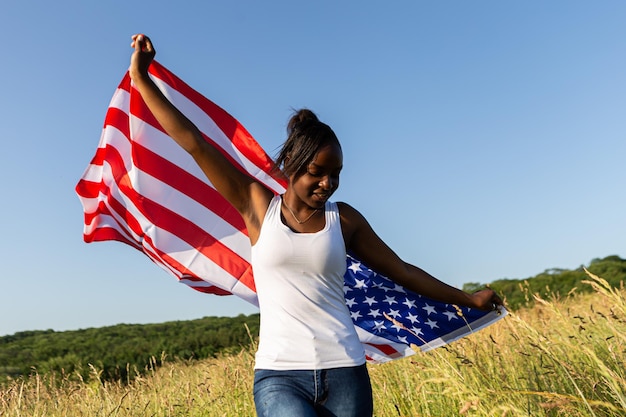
<point x="294" y="215"/>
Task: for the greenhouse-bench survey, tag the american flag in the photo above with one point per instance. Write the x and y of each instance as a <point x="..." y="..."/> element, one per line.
<point x="142" y="189"/>
<point x="393" y="322"/>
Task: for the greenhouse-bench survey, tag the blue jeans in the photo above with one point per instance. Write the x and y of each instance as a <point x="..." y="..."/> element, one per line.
<point x="337" y="392"/>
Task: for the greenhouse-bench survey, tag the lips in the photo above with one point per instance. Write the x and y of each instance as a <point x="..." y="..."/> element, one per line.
<point x="321" y="197"/>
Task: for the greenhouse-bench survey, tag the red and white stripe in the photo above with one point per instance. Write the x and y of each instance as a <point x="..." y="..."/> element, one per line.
<point x="142" y="189"/>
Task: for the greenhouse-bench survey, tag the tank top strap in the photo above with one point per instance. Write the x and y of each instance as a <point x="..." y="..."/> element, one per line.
<point x="273" y="210"/>
<point x="332" y="213"/>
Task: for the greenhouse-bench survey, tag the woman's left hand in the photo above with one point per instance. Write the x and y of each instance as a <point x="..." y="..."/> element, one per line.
<point x="486" y="300"/>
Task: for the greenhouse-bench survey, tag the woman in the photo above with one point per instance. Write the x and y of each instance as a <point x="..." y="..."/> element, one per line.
<point x="309" y="360"/>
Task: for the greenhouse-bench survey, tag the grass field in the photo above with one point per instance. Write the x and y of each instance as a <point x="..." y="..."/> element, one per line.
<point x="563" y="357"/>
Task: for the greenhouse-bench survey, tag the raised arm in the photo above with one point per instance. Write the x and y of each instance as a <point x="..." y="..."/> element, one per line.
<point x="248" y="196"/>
<point x="369" y="248"/>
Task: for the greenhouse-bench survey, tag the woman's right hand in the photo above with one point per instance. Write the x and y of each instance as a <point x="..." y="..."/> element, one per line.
<point x="142" y="56"/>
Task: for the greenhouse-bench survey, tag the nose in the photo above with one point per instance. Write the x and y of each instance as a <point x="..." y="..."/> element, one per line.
<point x="328" y="183"/>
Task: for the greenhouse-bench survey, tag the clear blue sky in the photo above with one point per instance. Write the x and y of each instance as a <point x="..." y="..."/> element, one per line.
<point x="482" y="140"/>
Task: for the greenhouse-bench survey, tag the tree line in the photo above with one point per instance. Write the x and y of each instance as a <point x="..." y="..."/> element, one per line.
<point x="120" y="352"/>
<point x="123" y="350"/>
<point x="556" y="282"/>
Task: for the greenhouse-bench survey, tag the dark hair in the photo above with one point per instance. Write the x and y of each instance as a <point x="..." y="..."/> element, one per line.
<point x="306" y="135"/>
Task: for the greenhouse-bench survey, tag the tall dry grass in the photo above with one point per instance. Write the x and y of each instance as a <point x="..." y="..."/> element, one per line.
<point x="564" y="357"/>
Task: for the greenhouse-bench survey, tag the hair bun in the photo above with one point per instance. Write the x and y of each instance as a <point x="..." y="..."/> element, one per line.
<point x="301" y="119"/>
<point x="306" y="134"/>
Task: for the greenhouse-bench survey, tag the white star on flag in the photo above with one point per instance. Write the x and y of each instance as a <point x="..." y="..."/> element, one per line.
<point x="431" y="323"/>
<point x="451" y="315"/>
<point x="379" y="326"/>
<point x="409" y="303"/>
<point x="355" y="267"/>
<point x="394" y="313"/>
<point x="374" y="313"/>
<point x="360" y="283"/>
<point x="390" y="300"/>
<point x="370" y="300"/>
<point x="430" y="309"/>
<point x="412" y="318"/>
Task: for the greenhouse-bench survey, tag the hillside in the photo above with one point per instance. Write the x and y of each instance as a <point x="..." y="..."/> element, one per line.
<point x="118" y="350"/>
<point x="123" y="351"/>
<point x="556" y="282"/>
<point x="562" y="357"/>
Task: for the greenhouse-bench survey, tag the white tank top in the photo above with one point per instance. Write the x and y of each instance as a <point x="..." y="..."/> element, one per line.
<point x="305" y="323"/>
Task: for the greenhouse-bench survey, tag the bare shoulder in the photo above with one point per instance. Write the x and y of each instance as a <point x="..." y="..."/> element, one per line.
<point x="351" y="221"/>
<point x="349" y="211"/>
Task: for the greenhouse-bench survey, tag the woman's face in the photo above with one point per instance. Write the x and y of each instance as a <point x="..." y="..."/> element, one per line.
<point x="321" y="178"/>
